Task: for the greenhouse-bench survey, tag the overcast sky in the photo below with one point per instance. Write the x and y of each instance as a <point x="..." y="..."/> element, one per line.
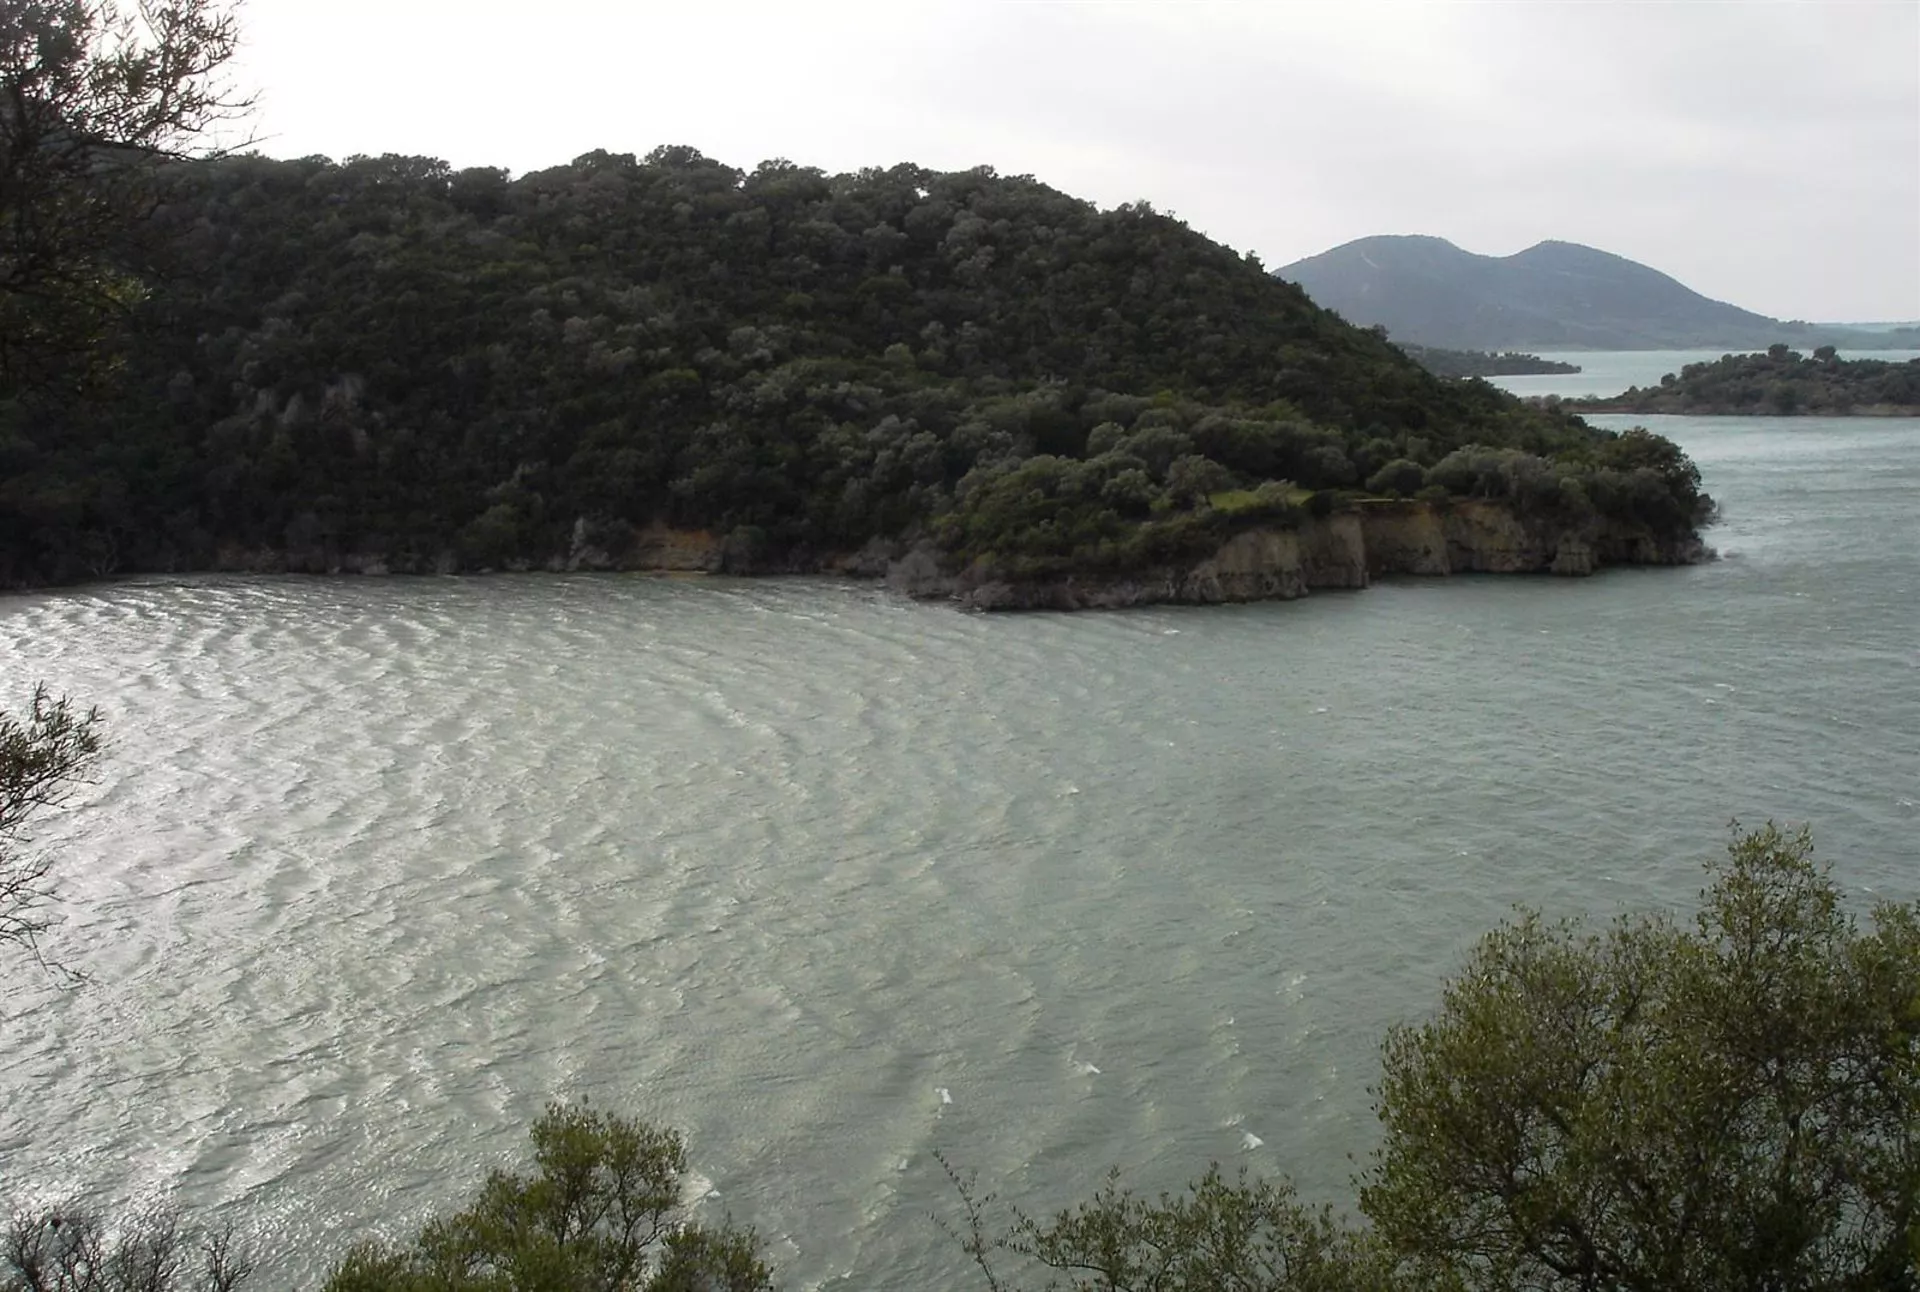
<point x="1767" y="154"/>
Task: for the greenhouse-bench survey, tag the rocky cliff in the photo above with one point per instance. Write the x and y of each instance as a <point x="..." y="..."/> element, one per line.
<point x="1341" y="551"/>
<point x="1268" y="563"/>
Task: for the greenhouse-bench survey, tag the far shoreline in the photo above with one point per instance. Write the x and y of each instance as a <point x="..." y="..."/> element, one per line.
<point x="1637" y="409"/>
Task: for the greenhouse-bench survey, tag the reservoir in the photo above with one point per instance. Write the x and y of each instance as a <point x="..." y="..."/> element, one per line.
<point x="832" y="880"/>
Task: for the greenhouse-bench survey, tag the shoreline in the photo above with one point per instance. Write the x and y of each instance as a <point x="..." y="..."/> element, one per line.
<point x="1583" y="407"/>
<point x="1346" y="550"/>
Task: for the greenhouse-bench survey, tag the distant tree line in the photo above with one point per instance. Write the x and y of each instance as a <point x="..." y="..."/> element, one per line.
<point x="1780" y="382"/>
<point x="1484" y="363"/>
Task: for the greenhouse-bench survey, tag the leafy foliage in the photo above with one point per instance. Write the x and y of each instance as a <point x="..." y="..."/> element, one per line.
<point x="1722" y="1108"/>
<point x="92" y="96"/>
<point x="44" y="755"/>
<point x="602" y="1213"/>
<point x="1731" y="1106"/>
<point x="386" y="359"/>
<point x="1219" y="1236"/>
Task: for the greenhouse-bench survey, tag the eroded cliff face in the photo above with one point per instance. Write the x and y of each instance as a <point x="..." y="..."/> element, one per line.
<point x="1476" y="536"/>
<point x="1342" y="551"/>
<point x="1347" y="550"/>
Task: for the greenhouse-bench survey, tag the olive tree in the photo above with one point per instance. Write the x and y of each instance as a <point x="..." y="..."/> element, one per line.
<point x="46" y="753"/>
<point x="1220" y="1235"/>
<point x="1731" y="1105"/>
<point x="603" y="1212"/>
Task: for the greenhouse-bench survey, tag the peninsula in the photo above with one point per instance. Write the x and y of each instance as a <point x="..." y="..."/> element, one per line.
<point x="970" y="383"/>
<point x="1484" y="363"/>
<point x="1780" y="382"/>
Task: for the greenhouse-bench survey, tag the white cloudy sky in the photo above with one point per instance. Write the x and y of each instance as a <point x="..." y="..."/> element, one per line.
<point x="1763" y="153"/>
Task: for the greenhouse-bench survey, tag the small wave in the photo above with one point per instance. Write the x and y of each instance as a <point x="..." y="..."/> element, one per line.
<point x="1086" y="1069"/>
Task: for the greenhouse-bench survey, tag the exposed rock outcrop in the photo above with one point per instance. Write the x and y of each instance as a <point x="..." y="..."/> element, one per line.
<point x="1347" y="550"/>
<point x="1267" y="563"/>
<point x="683" y="551"/>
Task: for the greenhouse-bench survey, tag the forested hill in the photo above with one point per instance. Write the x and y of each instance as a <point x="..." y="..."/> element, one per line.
<point x="1562" y="295"/>
<point x="460" y="370"/>
<point x="1780" y="382"/>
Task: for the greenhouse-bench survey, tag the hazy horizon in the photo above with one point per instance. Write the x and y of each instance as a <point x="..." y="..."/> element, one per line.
<point x="1763" y="154"/>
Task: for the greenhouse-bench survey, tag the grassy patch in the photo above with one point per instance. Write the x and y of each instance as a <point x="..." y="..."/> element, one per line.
<point x="1233" y="502"/>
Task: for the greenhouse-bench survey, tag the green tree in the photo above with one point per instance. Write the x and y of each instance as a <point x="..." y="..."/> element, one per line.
<point x="1193" y="479"/>
<point x="602" y="1213"/>
<point x="1398" y="476"/>
<point x="1734" y="1105"/>
<point x="92" y="96"/>
<point x="45" y="754"/>
<point x="1244" y="1235"/>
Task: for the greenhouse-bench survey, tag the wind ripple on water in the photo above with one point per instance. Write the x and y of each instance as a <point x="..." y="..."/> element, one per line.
<point x="832" y="880"/>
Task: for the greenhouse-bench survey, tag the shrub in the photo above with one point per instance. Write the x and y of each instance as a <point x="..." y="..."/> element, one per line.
<point x="602" y="1213"/>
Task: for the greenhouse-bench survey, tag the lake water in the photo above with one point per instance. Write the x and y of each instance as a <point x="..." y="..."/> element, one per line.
<point x="832" y="880"/>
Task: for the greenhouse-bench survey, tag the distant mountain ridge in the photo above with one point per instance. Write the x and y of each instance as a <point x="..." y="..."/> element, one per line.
<point x="1426" y="291"/>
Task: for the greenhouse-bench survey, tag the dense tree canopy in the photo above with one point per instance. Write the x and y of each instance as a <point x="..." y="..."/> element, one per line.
<point x="454" y="369"/>
<point x="93" y="95"/>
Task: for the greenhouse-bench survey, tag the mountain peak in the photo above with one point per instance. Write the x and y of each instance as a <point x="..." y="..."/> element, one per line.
<point x="1425" y="290"/>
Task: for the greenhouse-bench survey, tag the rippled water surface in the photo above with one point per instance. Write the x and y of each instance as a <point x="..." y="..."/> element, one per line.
<point x="832" y="880"/>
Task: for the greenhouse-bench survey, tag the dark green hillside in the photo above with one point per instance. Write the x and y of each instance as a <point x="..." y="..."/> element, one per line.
<point x="389" y="359"/>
